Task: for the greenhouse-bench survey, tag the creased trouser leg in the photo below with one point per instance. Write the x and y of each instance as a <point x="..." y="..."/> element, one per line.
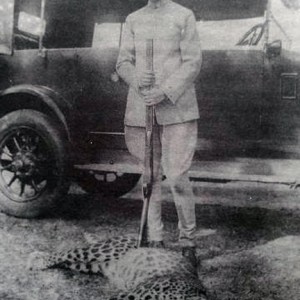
<point x="185" y="206"/>
<point x="175" y="145"/>
<point x="178" y="148"/>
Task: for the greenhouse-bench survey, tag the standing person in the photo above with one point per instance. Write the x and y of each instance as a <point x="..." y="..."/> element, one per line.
<point x="170" y="89"/>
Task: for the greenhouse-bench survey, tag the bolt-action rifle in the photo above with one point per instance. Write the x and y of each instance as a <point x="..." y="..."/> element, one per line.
<point x="148" y="159"/>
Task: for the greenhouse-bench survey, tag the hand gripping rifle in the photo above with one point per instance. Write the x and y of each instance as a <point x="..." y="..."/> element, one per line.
<point x="148" y="159"/>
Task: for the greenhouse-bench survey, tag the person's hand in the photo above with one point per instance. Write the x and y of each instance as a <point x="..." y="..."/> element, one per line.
<point x="153" y="96"/>
<point x="146" y="79"/>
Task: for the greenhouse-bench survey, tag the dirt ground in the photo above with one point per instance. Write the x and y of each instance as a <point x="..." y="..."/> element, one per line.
<point x="248" y="242"/>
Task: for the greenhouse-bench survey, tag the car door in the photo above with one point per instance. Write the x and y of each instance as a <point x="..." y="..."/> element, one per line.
<point x="103" y="95"/>
<point x="82" y="38"/>
<point x="230" y="84"/>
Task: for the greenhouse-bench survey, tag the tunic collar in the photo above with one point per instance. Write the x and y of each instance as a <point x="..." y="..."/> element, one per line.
<point x="159" y="4"/>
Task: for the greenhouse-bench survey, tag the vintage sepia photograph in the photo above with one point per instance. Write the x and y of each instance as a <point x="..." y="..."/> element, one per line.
<point x="149" y="149"/>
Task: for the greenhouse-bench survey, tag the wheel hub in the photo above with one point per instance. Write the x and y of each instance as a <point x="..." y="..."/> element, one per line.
<point x="24" y="164"/>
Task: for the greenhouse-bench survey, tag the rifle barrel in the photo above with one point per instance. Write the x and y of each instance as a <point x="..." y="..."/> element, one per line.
<point x="148" y="160"/>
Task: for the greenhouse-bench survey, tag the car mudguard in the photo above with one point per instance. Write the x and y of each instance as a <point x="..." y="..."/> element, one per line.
<point x="56" y="104"/>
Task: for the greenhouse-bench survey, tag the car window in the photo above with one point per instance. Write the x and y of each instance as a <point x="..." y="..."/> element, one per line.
<point x="93" y="23"/>
<point x="107" y="35"/>
<point x="77" y="23"/>
<point x="226" y="34"/>
<point x="285" y="23"/>
<point x="109" y="21"/>
<point x="210" y="10"/>
<point x="26" y="21"/>
<point x="6" y="26"/>
<point x="69" y="24"/>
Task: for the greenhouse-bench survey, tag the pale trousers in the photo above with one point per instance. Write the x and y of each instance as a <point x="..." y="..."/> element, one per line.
<point x="174" y="147"/>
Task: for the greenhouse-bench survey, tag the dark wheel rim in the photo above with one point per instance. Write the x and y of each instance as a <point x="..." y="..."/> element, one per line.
<point x="26" y="166"/>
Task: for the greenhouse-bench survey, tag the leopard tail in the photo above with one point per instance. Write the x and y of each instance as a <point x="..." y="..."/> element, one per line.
<point x="39" y="260"/>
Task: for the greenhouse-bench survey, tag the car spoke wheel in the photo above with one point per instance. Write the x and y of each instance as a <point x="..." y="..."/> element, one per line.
<point x="33" y="168"/>
<point x="24" y="158"/>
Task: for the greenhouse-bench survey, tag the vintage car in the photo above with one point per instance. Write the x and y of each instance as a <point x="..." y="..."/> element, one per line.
<point x="62" y="103"/>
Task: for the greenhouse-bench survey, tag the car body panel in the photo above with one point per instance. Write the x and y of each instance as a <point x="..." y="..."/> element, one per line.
<point x="246" y="111"/>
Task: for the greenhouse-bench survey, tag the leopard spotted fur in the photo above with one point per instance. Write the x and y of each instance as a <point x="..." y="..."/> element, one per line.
<point x="140" y="274"/>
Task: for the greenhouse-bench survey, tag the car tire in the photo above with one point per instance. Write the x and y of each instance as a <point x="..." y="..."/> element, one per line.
<point x="110" y="184"/>
<point x="33" y="163"/>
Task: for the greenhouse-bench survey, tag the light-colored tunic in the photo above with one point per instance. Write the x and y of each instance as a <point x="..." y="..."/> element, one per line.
<point x="177" y="62"/>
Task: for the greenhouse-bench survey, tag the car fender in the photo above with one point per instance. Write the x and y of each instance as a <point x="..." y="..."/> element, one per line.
<point x="56" y="104"/>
